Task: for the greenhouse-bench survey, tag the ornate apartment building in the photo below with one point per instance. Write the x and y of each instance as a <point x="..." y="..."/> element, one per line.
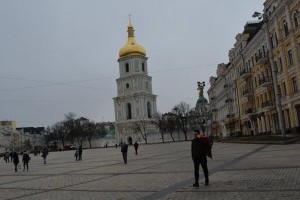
<point x="251" y="106"/>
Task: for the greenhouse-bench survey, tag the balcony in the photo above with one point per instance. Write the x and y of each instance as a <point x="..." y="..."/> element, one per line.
<point x="245" y="73"/>
<point x="247" y="92"/>
<point x="249" y="111"/>
<point x="229" y="116"/>
<point x="267" y="105"/>
<point x="228" y="100"/>
<point x="265" y="81"/>
<point x="262" y="58"/>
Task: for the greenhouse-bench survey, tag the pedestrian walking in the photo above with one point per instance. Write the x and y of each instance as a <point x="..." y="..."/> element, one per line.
<point x="80" y="152"/>
<point x="25" y="160"/>
<point x="200" y="148"/>
<point x="16" y="160"/>
<point x="44" y="154"/>
<point x="76" y="155"/>
<point x="124" y="150"/>
<point x="6" y="157"/>
<point x="136" y="146"/>
<point x="11" y="156"/>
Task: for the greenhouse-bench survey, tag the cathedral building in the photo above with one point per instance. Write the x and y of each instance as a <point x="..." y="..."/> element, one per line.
<point x="135" y="104"/>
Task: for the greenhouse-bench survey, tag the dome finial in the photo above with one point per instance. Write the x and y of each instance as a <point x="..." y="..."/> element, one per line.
<point x="130" y="28"/>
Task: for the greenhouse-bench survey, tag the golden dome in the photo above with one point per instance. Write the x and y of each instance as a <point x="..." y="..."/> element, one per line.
<point x="131" y="47"/>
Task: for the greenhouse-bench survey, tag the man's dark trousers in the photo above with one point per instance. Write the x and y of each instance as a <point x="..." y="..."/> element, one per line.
<point x="203" y="164"/>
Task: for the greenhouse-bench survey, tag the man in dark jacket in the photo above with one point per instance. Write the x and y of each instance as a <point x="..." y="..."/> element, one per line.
<point x="124" y="150"/>
<point x="199" y="152"/>
<point x="25" y="159"/>
<point x="16" y="160"/>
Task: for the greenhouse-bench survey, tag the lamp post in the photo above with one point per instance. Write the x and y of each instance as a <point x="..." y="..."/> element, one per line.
<point x="265" y="20"/>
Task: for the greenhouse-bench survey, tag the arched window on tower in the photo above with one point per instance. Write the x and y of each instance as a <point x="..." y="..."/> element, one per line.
<point x="143" y="67"/>
<point x="286" y="28"/>
<point x="128" y="111"/>
<point x="149" y="109"/>
<point x="126" y="67"/>
<point x="296" y="20"/>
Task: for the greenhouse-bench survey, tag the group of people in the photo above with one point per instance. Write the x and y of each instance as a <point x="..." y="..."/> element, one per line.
<point x="25" y="159"/>
<point x="124" y="150"/>
<point x="200" y="149"/>
<point x="14" y="158"/>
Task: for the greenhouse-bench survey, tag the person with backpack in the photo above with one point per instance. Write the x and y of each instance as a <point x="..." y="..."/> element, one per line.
<point x="200" y="149"/>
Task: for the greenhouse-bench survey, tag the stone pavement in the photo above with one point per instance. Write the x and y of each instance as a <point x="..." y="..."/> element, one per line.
<point x="160" y="171"/>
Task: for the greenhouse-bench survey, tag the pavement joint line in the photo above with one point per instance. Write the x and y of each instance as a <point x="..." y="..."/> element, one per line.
<point x="196" y="190"/>
<point x="173" y="188"/>
<point x="264" y="168"/>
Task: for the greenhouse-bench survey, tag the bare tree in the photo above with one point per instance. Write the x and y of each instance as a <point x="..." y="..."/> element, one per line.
<point x="91" y="129"/>
<point x="161" y="124"/>
<point x="141" y="127"/>
<point x="181" y="111"/>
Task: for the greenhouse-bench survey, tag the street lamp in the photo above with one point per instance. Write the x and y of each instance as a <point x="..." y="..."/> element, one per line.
<point x="273" y="69"/>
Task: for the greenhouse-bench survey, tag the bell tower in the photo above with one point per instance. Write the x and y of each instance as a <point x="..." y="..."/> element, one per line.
<point x="135" y="103"/>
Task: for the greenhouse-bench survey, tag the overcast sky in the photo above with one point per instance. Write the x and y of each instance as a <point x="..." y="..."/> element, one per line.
<point x="60" y="56"/>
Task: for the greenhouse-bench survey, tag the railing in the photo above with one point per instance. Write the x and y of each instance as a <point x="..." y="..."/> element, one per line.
<point x="249" y="111"/>
<point x="230" y="116"/>
<point x="247" y="92"/>
<point x="245" y="73"/>
<point x="263" y="80"/>
<point x="228" y="100"/>
<point x="267" y="104"/>
<point x="261" y="57"/>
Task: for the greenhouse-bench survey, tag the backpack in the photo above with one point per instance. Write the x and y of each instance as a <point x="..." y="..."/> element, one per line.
<point x="208" y="146"/>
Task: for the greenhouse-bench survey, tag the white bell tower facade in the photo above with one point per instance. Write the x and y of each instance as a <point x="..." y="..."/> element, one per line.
<point x="135" y="104"/>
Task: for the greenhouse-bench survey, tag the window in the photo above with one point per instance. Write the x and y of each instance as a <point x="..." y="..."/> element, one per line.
<point x="128" y="111"/>
<point x="285" y="28"/>
<point x="127" y="85"/>
<point x="288" y="118"/>
<point x="284" y="89"/>
<point x="279" y="88"/>
<point x="276" y="38"/>
<point x="143" y="67"/>
<point x="272" y="41"/>
<point x="295" y="18"/>
<point x="126" y="67"/>
<point x="149" y="109"/>
<point x="147" y="85"/>
<point x="290" y="57"/>
<point x="294" y="84"/>
<point x="276" y="66"/>
<point x="280" y="64"/>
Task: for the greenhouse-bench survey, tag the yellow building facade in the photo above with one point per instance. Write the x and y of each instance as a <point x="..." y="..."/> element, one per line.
<point x="250" y="59"/>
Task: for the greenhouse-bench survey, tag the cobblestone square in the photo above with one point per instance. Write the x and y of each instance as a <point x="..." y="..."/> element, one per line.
<point x="159" y="171"/>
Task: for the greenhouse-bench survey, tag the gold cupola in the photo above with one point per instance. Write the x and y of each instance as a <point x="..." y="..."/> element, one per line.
<point x="131" y="47"/>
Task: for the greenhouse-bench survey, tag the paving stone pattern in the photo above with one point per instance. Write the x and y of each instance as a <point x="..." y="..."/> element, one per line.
<point x="159" y="171"/>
